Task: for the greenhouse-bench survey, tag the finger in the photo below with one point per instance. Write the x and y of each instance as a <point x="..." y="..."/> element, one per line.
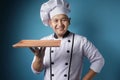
<point x="33" y="50"/>
<point x="42" y="49"/>
<point x="36" y="48"/>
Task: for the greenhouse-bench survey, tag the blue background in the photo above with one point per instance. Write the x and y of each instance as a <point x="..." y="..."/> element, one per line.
<point x="98" y="20"/>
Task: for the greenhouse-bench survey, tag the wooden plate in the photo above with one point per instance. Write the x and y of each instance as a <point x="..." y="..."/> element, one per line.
<point x="37" y="43"/>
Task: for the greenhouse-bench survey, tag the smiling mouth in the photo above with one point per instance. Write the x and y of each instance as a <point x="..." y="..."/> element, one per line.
<point x="60" y="28"/>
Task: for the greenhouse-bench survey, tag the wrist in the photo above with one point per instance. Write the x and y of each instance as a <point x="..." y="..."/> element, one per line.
<point x="39" y="59"/>
<point x="85" y="78"/>
<point x="90" y="75"/>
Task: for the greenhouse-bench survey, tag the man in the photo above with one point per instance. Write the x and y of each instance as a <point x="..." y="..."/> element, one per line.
<point x="64" y="62"/>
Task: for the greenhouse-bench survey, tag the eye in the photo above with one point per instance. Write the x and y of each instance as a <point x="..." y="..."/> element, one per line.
<point x="55" y="20"/>
<point x="65" y="19"/>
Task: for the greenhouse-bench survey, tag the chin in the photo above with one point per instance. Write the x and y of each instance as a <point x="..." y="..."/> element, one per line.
<point x="61" y="32"/>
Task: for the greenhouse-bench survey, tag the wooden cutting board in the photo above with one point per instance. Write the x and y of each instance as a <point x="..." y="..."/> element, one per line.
<point x="37" y="43"/>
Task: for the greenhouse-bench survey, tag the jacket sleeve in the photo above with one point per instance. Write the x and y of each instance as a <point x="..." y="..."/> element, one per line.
<point x="91" y="52"/>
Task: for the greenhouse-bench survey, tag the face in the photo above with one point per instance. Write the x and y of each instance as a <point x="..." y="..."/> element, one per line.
<point x="59" y="24"/>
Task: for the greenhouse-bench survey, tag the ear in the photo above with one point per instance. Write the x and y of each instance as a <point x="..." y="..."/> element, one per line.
<point x="50" y="24"/>
<point x="69" y="20"/>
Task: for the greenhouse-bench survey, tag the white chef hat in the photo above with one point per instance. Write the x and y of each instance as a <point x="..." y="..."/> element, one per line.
<point x="52" y="8"/>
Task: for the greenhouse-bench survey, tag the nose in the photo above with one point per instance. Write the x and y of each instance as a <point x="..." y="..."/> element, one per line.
<point x="60" y="23"/>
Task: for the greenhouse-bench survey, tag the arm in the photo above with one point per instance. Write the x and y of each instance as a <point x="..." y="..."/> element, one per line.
<point x="89" y="75"/>
<point x="37" y="64"/>
<point x="95" y="58"/>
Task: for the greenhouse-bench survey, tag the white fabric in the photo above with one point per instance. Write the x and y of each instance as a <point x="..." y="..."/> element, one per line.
<point x="58" y="10"/>
<point x="50" y="7"/>
<point x="82" y="48"/>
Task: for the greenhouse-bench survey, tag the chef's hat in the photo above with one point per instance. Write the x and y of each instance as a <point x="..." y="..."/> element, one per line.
<point x="52" y="8"/>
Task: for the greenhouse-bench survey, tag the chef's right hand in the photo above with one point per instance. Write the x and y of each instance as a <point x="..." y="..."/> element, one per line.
<point x="39" y="52"/>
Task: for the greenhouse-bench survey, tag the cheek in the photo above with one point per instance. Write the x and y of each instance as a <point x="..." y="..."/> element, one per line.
<point x="53" y="28"/>
<point x="67" y="25"/>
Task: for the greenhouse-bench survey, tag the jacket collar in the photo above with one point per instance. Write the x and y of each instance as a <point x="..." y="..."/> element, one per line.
<point x="65" y="35"/>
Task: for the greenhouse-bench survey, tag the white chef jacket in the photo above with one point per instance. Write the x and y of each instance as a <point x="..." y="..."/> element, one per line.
<point x="65" y="62"/>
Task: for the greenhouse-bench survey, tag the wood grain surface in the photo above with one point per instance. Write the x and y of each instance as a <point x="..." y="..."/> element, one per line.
<point x="37" y="43"/>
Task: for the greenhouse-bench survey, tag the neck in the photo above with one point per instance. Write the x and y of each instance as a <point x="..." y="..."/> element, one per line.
<point x="62" y="36"/>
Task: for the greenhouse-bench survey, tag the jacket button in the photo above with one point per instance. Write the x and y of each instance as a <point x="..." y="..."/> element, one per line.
<point x="66" y="63"/>
<point x="68" y="40"/>
<point x="68" y="51"/>
<point x="52" y="63"/>
<point x="52" y="75"/>
<point x="52" y="51"/>
<point x="65" y="75"/>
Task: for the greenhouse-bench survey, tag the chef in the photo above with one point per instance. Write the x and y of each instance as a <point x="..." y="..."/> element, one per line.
<point x="64" y="62"/>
